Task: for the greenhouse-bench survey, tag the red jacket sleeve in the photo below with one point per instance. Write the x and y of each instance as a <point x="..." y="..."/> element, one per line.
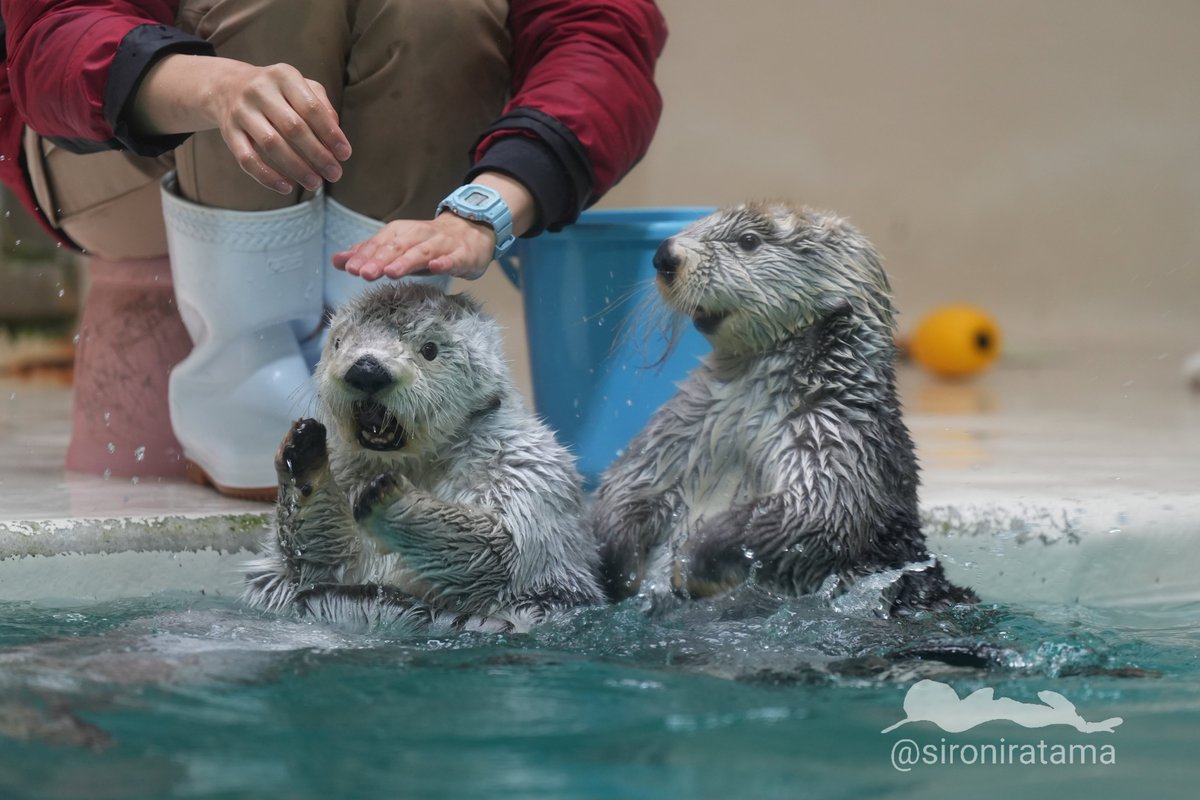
<point x="584" y="104"/>
<point x="73" y="66"/>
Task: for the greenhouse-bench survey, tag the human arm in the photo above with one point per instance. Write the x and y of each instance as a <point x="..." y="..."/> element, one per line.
<point x="583" y="110"/>
<point x="73" y="68"/>
<point x="279" y="125"/>
<point x="118" y="75"/>
<point x="584" y="104"/>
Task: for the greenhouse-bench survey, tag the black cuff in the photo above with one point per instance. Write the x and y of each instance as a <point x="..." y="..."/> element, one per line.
<point x="551" y="163"/>
<point x="141" y="48"/>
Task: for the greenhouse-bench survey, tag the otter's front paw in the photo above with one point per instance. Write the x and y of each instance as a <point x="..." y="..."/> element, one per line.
<point x="302" y="453"/>
<point x="384" y="490"/>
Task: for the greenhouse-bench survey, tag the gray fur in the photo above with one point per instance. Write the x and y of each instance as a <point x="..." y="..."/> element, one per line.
<point x="475" y="521"/>
<point x="784" y="454"/>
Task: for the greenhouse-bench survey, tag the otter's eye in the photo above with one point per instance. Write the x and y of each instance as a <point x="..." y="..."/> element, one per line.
<point x="749" y="241"/>
<point x="429" y="351"/>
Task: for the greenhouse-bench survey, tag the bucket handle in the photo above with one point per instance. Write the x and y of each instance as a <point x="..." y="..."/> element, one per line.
<point x="511" y="266"/>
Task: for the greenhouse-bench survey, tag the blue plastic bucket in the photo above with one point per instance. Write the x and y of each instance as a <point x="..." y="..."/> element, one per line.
<point x="591" y="350"/>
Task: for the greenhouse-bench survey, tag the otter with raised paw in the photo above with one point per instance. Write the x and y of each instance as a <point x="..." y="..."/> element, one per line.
<point x="428" y="494"/>
<point x="783" y="456"/>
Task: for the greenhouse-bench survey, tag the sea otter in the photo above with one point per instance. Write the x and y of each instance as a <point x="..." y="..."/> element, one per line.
<point x="784" y="455"/>
<point x="426" y="492"/>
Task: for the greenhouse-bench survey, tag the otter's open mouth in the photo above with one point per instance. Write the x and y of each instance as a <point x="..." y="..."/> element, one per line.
<point x="708" y="321"/>
<point x="377" y="428"/>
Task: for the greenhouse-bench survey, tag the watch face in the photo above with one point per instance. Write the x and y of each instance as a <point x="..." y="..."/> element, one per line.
<point x="477" y="199"/>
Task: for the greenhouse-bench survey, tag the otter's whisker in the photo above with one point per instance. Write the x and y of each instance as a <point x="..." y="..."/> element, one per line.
<point x="611" y="306"/>
<point x="650" y="320"/>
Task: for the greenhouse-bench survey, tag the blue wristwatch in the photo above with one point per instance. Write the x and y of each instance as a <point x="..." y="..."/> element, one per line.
<point x="482" y="204"/>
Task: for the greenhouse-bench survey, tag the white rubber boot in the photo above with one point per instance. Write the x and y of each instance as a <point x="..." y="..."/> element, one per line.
<point x="242" y="280"/>
<point x="345" y="227"/>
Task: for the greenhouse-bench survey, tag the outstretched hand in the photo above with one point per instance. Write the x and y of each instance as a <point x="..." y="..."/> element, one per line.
<point x="445" y="245"/>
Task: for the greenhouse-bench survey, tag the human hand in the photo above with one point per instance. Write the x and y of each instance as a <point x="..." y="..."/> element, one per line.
<point x="445" y="245"/>
<point x="279" y="126"/>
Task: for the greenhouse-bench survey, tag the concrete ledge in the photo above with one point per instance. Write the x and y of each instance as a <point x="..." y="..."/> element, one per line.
<point x="1009" y="554"/>
<point x="181" y="533"/>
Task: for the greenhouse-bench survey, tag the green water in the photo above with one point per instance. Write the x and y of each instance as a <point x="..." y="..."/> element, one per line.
<point x="199" y="698"/>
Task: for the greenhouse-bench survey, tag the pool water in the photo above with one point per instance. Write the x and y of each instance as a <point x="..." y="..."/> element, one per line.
<point x="750" y="696"/>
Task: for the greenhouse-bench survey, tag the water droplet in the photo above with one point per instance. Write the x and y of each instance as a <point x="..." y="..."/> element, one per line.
<point x="62" y="292"/>
<point x="112" y="448"/>
<point x="107" y="416"/>
<point x="139" y="453"/>
<point x="107" y="473"/>
<point x="134" y="480"/>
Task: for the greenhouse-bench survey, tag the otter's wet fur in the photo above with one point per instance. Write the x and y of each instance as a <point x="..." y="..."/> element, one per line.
<point x="784" y="455"/>
<point x="427" y="493"/>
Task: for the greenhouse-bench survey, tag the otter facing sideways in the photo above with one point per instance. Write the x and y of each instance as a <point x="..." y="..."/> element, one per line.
<point x="784" y="454"/>
<point x="427" y="493"/>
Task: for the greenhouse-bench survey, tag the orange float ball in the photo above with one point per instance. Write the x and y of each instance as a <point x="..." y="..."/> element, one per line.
<point x="955" y="341"/>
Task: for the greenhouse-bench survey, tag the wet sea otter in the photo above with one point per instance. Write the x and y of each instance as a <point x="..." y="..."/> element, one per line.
<point x="427" y="493"/>
<point x="784" y="454"/>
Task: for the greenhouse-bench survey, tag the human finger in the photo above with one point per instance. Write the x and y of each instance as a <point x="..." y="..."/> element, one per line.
<point x="277" y="107"/>
<point x="247" y="157"/>
<point x="309" y="126"/>
<point x="400" y="248"/>
<point x="461" y="263"/>
<point x="327" y="126"/>
<point x="275" y="150"/>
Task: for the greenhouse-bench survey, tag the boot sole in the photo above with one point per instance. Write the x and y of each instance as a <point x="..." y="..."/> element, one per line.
<point x="196" y="474"/>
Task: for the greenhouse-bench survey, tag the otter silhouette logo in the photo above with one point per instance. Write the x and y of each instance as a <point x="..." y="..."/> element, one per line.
<point x="936" y="702"/>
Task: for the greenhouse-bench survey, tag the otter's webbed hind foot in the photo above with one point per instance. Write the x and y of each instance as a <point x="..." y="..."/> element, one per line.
<point x="370" y="606"/>
<point x="927" y="590"/>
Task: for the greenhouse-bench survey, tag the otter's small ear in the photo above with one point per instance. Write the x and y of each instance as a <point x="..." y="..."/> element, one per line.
<point x="464" y="304"/>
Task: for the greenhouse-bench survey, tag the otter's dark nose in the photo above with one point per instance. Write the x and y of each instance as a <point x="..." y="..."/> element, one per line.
<point x="368" y="375"/>
<point x="665" y="260"/>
